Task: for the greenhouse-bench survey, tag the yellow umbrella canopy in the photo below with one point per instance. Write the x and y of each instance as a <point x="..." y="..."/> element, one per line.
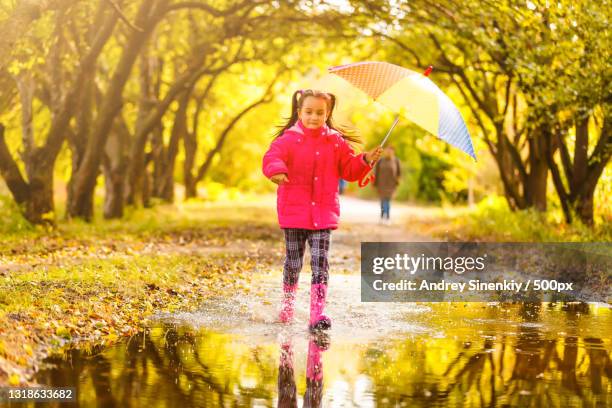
<point x="408" y="93"/>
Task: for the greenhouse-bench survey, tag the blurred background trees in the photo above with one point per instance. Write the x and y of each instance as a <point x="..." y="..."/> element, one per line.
<point x="106" y="104"/>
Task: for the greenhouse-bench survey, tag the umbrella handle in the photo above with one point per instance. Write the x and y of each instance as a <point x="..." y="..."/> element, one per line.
<point x="367" y="178"/>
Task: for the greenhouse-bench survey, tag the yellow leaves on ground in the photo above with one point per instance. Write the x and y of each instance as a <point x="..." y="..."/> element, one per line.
<point x="87" y="287"/>
<point x="28" y="349"/>
<point x="14" y="379"/>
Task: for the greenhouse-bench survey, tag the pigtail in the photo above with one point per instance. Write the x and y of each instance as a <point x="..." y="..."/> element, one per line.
<point x="295" y="103"/>
<point x="347" y="133"/>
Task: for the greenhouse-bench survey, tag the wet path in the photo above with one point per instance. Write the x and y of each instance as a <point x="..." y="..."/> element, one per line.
<point x="232" y="353"/>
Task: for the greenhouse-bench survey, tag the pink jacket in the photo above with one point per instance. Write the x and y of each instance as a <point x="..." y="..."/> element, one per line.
<point x="314" y="160"/>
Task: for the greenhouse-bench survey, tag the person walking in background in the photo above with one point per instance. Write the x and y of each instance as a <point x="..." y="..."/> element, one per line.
<point x="387" y="174"/>
<point x="341" y="186"/>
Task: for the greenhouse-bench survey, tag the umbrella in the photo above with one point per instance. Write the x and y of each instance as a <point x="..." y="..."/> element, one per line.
<point x="411" y="94"/>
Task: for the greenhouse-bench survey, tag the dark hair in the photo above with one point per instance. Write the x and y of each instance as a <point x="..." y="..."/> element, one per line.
<point x="296" y="105"/>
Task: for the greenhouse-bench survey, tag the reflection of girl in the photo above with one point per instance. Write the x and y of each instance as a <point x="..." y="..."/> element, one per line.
<point x="306" y="160"/>
<point x="313" y="397"/>
<point x="287" y="391"/>
<point x="387" y="173"/>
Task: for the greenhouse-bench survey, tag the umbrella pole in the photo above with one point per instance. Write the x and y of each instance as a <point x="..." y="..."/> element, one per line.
<point x="390" y="130"/>
<point x="366" y="178"/>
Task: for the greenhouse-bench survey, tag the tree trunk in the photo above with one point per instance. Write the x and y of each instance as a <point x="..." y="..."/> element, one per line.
<point x="584" y="172"/>
<point x="40" y="208"/>
<point x="78" y="143"/>
<point x="190" y="144"/>
<point x="148" y="93"/>
<point x="583" y="203"/>
<point x="556" y="175"/>
<point x="539" y="146"/>
<point x="190" y="183"/>
<point x="114" y="166"/>
<point x="146" y="184"/>
<point x="584" y="206"/>
<point x="166" y="183"/>
<point x="34" y="198"/>
<point x="536" y="184"/>
<point x="114" y="185"/>
<point x="85" y="182"/>
<point x="10" y="173"/>
<point x="507" y="170"/>
<point x="150" y="78"/>
<point x="581" y="146"/>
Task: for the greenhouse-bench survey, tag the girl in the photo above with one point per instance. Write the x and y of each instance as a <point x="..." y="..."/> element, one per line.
<point x="306" y="160"/>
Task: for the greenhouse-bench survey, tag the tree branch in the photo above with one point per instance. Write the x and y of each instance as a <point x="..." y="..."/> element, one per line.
<point x="210" y="9"/>
<point x="459" y="71"/>
<point x="211" y="154"/>
<point x="123" y="17"/>
<point x="558" y="183"/>
<point x="401" y="45"/>
<point x="474" y="110"/>
<point x="598" y="159"/>
<point x="507" y="101"/>
<point x="565" y="158"/>
<point x="56" y="133"/>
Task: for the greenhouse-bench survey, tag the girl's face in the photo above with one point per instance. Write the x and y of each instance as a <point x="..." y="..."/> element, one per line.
<point x="313" y="113"/>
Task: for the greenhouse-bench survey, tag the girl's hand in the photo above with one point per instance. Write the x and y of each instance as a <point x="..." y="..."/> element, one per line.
<point x="279" y="178"/>
<point x="373" y="155"/>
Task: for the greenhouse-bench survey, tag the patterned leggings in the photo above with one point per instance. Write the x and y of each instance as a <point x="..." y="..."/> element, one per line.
<point x="295" y="244"/>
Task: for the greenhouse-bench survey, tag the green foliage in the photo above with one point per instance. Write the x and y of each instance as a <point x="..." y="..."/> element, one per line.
<point x="412" y="164"/>
<point x="431" y="178"/>
<point x="492" y="220"/>
<point x="11" y="220"/>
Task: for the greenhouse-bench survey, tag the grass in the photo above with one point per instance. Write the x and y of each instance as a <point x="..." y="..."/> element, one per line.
<point x="491" y="220"/>
<point x="94" y="283"/>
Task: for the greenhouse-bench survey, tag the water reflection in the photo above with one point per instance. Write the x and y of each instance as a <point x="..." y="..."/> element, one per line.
<point x="287" y="390"/>
<point x="481" y="356"/>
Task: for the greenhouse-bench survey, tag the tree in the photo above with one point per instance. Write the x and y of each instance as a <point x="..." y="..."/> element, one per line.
<point x="81" y="204"/>
<point x="203" y="168"/>
<point x="513" y="65"/>
<point x="579" y="117"/>
<point x="34" y="193"/>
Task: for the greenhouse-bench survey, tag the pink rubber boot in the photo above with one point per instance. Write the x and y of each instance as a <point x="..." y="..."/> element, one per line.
<point x="288" y="303"/>
<point x="318" y="321"/>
